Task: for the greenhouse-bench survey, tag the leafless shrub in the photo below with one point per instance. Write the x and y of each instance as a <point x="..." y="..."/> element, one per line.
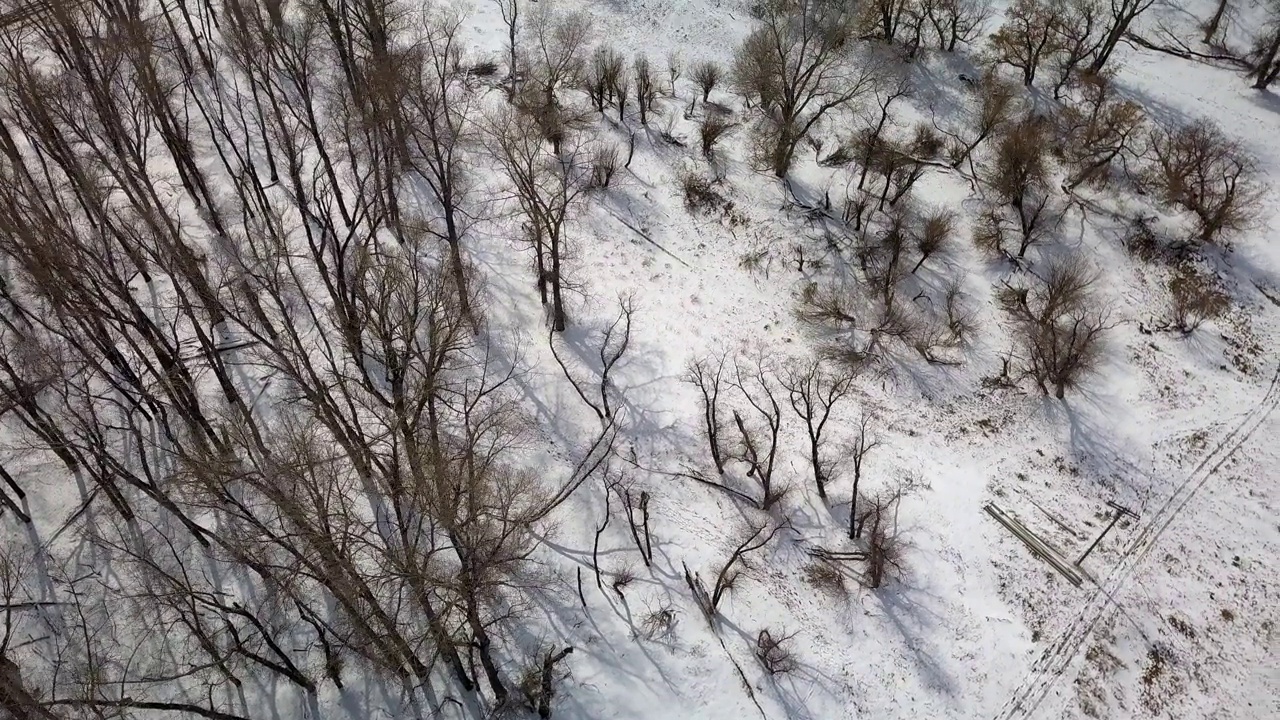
<point x="823" y="577"/>
<point x="707" y="74"/>
<point x="700" y="195"/>
<point x="658" y="624"/>
<point x="710" y="130"/>
<point x="926" y="142"/>
<point x="622" y="578"/>
<point x="1198" y="169"/>
<point x="774" y="652"/>
<point x="935" y="235"/>
<point x="1196" y="298"/>
<point x="1059" y="324"/>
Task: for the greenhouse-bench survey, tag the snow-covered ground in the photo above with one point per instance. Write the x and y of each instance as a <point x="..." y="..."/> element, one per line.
<point x="1178" y="615"/>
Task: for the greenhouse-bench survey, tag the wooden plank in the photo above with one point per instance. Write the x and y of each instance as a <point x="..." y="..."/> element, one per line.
<point x="1037" y="546"/>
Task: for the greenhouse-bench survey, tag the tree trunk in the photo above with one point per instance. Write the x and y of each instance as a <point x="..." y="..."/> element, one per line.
<point x="1269" y="66"/>
<point x="1211" y="27"/>
<point x="557" y="296"/>
<point x="853" y="502"/>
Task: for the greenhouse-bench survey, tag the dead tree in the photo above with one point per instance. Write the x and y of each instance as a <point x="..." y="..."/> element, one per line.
<point x="640" y="527"/>
<point x="813" y="391"/>
<point x="729" y="573"/>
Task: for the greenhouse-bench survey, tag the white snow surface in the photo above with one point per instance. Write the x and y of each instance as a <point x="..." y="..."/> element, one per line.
<point x="1178" y="617"/>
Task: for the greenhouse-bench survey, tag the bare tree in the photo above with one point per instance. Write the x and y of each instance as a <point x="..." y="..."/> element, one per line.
<point x="603" y="77"/>
<point x="759" y="440"/>
<point x="796" y="68"/>
<point x="1028" y="37"/>
<point x="1019" y="177"/>
<point x="1079" y="35"/>
<point x="547" y="184"/>
<point x="956" y="21"/>
<point x="646" y="85"/>
<point x="1123" y="13"/>
<point x="813" y="391"/>
<point x="707" y="374"/>
<point x="1214" y="22"/>
<point x="863" y="443"/>
<point x="1097" y="132"/>
<point x="1266" y="54"/>
<point x="729" y="573"/>
<point x="1059" y="324"/>
<point x="935" y="235"/>
<point x="556" y="54"/>
<point x="675" y="66"/>
<point x="997" y="106"/>
<point x="706" y="74"/>
<point x="509" y="10"/>
<point x="1198" y="169"/>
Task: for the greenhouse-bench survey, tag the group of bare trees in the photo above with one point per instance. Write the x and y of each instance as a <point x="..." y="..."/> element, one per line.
<point x="237" y="309"/>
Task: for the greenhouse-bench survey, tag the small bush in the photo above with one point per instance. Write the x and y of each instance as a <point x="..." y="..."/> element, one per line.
<point x="622" y="577"/>
<point x="713" y="127"/>
<point x="484" y="68"/>
<point x="1196" y="298"/>
<point x="825" y="578"/>
<point x="699" y="194"/>
<point x="775" y="653"/>
<point x="658" y="625"/>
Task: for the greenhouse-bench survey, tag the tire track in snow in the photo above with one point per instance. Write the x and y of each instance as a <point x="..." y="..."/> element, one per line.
<point x="1053" y="662"/>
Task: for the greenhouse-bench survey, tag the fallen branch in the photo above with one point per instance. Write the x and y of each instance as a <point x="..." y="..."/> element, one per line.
<point x="1187" y="53"/>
